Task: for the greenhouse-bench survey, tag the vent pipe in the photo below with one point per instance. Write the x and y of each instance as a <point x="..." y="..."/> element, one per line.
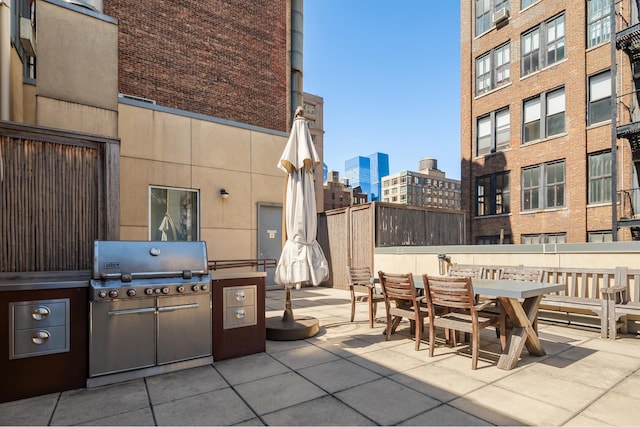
<point x="296" y="54"/>
<point x="5" y="55"/>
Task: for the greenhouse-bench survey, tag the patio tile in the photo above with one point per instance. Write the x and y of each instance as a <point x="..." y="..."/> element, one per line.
<point x="277" y="392"/>
<point x="549" y="385"/>
<point x="302" y="357"/>
<point x="437" y="382"/>
<point x="369" y="398"/>
<point x="386" y="362"/>
<point x="21" y="412"/>
<point x="346" y="346"/>
<point x="616" y="409"/>
<point x="276" y="346"/>
<point x="323" y="411"/>
<point x="582" y="420"/>
<point x="504" y="407"/>
<point x="103" y="402"/>
<point x="139" y="417"/>
<point x="181" y="384"/>
<point x="444" y="415"/>
<point x="338" y="375"/>
<point x="251" y="422"/>
<point x="249" y="368"/>
<point x="219" y="407"/>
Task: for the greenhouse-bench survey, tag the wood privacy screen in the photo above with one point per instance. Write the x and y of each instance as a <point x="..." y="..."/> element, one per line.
<point x="348" y="236"/>
<point x="53" y="196"/>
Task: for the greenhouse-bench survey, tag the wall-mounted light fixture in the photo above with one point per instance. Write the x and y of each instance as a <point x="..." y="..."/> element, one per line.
<point x="443" y="260"/>
<point x="224" y="193"/>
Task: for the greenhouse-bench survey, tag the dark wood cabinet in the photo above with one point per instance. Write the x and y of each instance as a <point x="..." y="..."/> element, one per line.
<point x="238" y="315"/>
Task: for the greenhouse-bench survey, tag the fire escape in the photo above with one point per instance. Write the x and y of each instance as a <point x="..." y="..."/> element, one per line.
<point x="628" y="40"/>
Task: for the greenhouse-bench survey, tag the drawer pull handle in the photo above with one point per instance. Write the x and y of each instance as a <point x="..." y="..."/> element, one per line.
<point x="40" y="337"/>
<point x="240" y="313"/>
<point x="240" y="295"/>
<point x="40" y="313"/>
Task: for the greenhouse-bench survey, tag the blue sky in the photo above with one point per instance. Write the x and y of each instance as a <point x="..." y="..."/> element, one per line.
<point x="389" y="74"/>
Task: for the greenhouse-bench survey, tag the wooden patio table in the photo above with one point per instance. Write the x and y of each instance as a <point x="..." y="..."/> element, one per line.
<point x="521" y="301"/>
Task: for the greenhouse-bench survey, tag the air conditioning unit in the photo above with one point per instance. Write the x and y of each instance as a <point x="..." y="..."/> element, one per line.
<point x="28" y="36"/>
<point x="500" y="15"/>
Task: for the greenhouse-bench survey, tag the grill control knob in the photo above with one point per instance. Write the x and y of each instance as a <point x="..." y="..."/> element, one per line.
<point x="131" y="292"/>
<point x="204" y="287"/>
<point x="113" y="294"/>
<point x="148" y="291"/>
<point x="165" y="290"/>
<point x="102" y="294"/>
<point x="180" y="289"/>
<point x="157" y="290"/>
<point x="195" y="288"/>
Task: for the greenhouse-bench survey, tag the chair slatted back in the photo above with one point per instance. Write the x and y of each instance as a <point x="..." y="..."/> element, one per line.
<point x="398" y="286"/>
<point x="359" y="276"/>
<point x="522" y="273"/>
<point x="463" y="270"/>
<point x="453" y="292"/>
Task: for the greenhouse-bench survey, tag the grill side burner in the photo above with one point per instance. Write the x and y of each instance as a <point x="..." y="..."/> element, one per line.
<point x="150" y="309"/>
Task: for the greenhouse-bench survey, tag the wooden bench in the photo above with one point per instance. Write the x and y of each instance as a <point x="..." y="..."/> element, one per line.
<point x="582" y="293"/>
<point x="622" y="299"/>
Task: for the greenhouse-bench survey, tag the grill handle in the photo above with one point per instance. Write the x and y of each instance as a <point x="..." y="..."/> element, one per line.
<point x="131" y="311"/>
<point x="187" y="274"/>
<point x="178" y="307"/>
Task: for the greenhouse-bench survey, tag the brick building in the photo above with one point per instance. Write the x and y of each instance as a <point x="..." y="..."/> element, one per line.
<point x="538" y="163"/>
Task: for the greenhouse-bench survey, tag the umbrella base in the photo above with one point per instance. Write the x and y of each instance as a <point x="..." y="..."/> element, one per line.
<point x="279" y="329"/>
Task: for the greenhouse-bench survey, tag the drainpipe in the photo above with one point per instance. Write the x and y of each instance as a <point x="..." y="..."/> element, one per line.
<point x="296" y="55"/>
<point x="614" y="133"/>
<point x="5" y="55"/>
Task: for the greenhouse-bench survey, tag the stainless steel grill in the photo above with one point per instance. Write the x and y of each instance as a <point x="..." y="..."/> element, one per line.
<point x="150" y="308"/>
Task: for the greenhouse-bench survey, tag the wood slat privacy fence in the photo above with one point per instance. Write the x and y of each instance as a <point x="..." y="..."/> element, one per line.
<point x="58" y="193"/>
<point x="349" y="235"/>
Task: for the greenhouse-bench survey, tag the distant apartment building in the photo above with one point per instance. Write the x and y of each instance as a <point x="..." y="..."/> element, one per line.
<point x="367" y="173"/>
<point x="545" y="157"/>
<point x="338" y="194"/>
<point x="428" y="188"/>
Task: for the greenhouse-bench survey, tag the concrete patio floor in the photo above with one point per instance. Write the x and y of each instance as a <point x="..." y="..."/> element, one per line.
<point x="349" y="375"/>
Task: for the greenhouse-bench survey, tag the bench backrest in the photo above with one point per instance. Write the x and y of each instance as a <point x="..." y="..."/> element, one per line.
<point x="631" y="280"/>
<point x="466" y="270"/>
<point x="580" y="282"/>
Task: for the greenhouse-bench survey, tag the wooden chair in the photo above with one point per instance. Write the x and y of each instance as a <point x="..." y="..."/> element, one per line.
<point x="363" y="289"/>
<point x="400" y="290"/>
<point x="462" y="314"/>
<point x="464" y="270"/>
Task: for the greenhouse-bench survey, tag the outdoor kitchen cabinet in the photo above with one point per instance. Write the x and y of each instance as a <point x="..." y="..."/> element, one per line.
<point x="43" y="337"/>
<point x="238" y="323"/>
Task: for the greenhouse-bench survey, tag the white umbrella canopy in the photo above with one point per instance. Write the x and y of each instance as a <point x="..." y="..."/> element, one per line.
<point x="302" y="259"/>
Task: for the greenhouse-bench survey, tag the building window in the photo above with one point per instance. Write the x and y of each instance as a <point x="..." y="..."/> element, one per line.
<point x="549" y="34"/>
<point x="600" y="177"/>
<point x="493" y="132"/>
<point x="174" y="214"/>
<point x="483" y="16"/>
<point x="599" y="98"/>
<point x="599" y="22"/>
<point x="493" y="194"/>
<point x="550" y="105"/>
<point x="553" y="177"/>
<point x="493" y="69"/>
<point x="599" y="236"/>
<point x="493" y="240"/>
<point x="544" y="238"/>
<point x="527" y="3"/>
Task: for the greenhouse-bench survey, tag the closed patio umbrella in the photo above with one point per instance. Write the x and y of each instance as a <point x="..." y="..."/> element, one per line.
<point x="302" y="260"/>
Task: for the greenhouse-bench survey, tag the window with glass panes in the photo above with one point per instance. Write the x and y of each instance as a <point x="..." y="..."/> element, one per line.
<point x="493" y="132"/>
<point x="551" y="106"/>
<point x="551" y="35"/>
<point x="527" y="3"/>
<point x="549" y="177"/>
<point x="174" y="214"/>
<point x="599" y="107"/>
<point x="543" y="238"/>
<point x="600" y="177"/>
<point x="493" y="69"/>
<point x="483" y="16"/>
<point x="493" y="194"/>
<point x="598" y="22"/>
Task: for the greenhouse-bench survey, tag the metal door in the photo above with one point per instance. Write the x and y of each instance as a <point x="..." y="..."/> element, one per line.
<point x="270" y="235"/>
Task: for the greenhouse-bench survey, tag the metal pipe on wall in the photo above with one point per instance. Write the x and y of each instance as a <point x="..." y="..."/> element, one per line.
<point x="296" y="54"/>
<point x="5" y="55"/>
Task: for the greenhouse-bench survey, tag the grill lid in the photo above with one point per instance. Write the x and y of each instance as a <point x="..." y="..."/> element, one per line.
<point x="127" y="259"/>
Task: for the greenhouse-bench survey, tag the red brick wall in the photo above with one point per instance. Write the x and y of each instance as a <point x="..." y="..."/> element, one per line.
<point x="575" y="218"/>
<point x="222" y="58"/>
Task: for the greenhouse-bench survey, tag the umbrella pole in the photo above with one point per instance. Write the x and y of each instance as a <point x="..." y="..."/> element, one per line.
<point x="287" y="316"/>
